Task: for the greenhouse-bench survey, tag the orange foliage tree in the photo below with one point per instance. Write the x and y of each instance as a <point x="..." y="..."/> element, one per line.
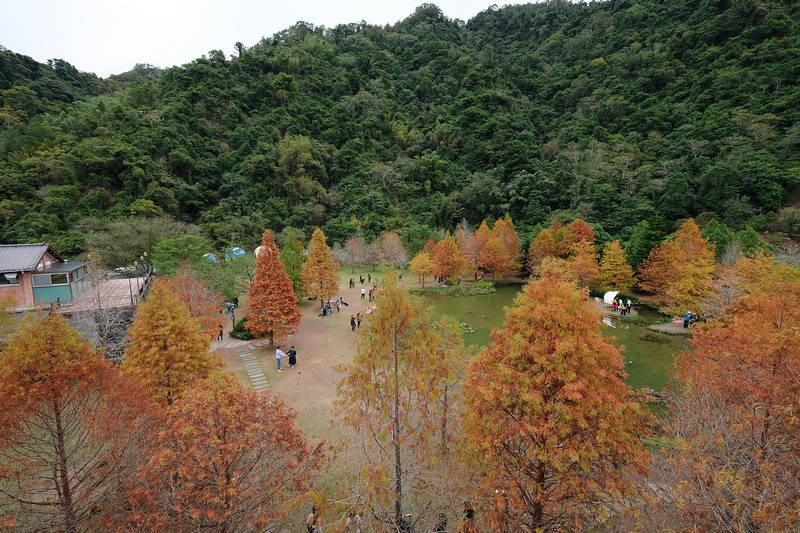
<point x="447" y="261"/>
<point x="745" y="277"/>
<point x="542" y="246"/>
<point x="421" y="266"/>
<point x="492" y="257"/>
<point x="73" y="429"/>
<point x="504" y="231"/>
<point x="202" y="302"/>
<point x="736" y="421"/>
<point x="397" y="393"/>
<point x="228" y="459"/>
<point x="615" y="272"/>
<point x="166" y="349"/>
<point x="272" y="301"/>
<point x="678" y="273"/>
<point x="548" y="419"/>
<point x="583" y="264"/>
<point x="320" y="273"/>
<point x="571" y="234"/>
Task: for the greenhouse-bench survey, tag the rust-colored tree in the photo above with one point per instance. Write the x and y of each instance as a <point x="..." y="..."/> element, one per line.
<point x="202" y="302"/>
<point x="504" y="231"/>
<point x="736" y="421"/>
<point x="570" y="235"/>
<point x="615" y="272"/>
<point x="492" y="257"/>
<point x="583" y="264"/>
<point x="548" y="419"/>
<point x="320" y="274"/>
<point x="73" y="429"/>
<point x="228" y="459"/>
<point x="421" y="266"/>
<point x="472" y="249"/>
<point x="678" y="273"/>
<point x="447" y="262"/>
<point x="542" y="246"/>
<point x="166" y="349"/>
<point x="396" y="395"/>
<point x="272" y="301"/>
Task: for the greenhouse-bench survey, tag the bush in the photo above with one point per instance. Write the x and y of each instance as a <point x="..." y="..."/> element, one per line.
<point x="467" y="289"/>
<point x="240" y="333"/>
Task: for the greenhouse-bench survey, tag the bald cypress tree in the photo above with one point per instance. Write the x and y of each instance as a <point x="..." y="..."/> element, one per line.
<point x="320" y="273"/>
<point x="272" y="301"/>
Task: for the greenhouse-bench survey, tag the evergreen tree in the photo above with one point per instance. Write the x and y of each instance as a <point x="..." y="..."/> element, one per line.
<point x="751" y="242"/>
<point x="648" y="234"/>
<point x="292" y="256"/>
<point x="272" y="300"/>
<point x="719" y="235"/>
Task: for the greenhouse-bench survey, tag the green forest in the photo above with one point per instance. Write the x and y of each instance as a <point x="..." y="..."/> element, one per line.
<point x="612" y="112"/>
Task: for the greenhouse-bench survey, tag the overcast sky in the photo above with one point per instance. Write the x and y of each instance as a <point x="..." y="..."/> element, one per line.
<point x="111" y="36"/>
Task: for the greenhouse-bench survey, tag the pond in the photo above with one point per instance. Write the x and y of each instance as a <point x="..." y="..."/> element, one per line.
<point x="649" y="356"/>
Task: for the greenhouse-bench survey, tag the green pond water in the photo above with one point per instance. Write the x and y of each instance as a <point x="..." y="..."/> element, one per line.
<point x="648" y="355"/>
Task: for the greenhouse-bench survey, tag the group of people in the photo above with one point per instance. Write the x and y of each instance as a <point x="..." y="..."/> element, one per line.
<point x="361" y="279"/>
<point x="618" y="304"/>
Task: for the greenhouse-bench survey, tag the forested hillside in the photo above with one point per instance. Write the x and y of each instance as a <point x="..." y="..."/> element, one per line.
<point x="609" y="111"/>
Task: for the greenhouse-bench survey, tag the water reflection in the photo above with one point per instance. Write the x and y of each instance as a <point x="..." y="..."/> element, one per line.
<point x="648" y="355"/>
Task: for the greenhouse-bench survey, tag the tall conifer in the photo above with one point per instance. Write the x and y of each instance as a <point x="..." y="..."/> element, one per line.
<point x="548" y="417"/>
<point x="320" y="272"/>
<point x="272" y="300"/>
<point x="167" y="349"/>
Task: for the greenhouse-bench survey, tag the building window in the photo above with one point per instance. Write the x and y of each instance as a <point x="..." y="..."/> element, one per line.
<point x="45" y="280"/>
<point x="59" y="279"/>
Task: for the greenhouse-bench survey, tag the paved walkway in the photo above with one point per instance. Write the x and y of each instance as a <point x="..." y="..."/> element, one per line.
<point x="228" y="342"/>
<point x="253" y="367"/>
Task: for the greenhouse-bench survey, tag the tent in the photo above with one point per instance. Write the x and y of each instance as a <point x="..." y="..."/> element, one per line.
<point x="609" y="297"/>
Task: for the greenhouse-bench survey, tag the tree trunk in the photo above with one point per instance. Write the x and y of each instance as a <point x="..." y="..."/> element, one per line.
<point x="62" y="475"/>
<point x="398" y="469"/>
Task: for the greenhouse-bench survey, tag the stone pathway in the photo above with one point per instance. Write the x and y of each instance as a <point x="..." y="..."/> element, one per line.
<point x="227" y="342"/>
<point x="253" y="367"/>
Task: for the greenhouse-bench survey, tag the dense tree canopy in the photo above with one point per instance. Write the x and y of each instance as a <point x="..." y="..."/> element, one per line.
<point x="609" y="111"/>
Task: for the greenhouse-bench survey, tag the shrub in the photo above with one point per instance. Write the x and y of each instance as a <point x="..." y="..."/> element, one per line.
<point x="240" y="333"/>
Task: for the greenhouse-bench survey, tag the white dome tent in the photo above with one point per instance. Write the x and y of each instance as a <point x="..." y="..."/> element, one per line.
<point x="609" y="297"/>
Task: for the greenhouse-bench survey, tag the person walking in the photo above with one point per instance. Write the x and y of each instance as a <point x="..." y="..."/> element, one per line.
<point x="353" y="322"/>
<point x="219" y="337"/>
<point x="292" y="357"/>
<point x="363" y="293"/>
<point x="279" y="355"/>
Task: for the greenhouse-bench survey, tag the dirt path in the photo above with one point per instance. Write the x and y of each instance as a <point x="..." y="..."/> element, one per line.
<point x="322" y="344"/>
